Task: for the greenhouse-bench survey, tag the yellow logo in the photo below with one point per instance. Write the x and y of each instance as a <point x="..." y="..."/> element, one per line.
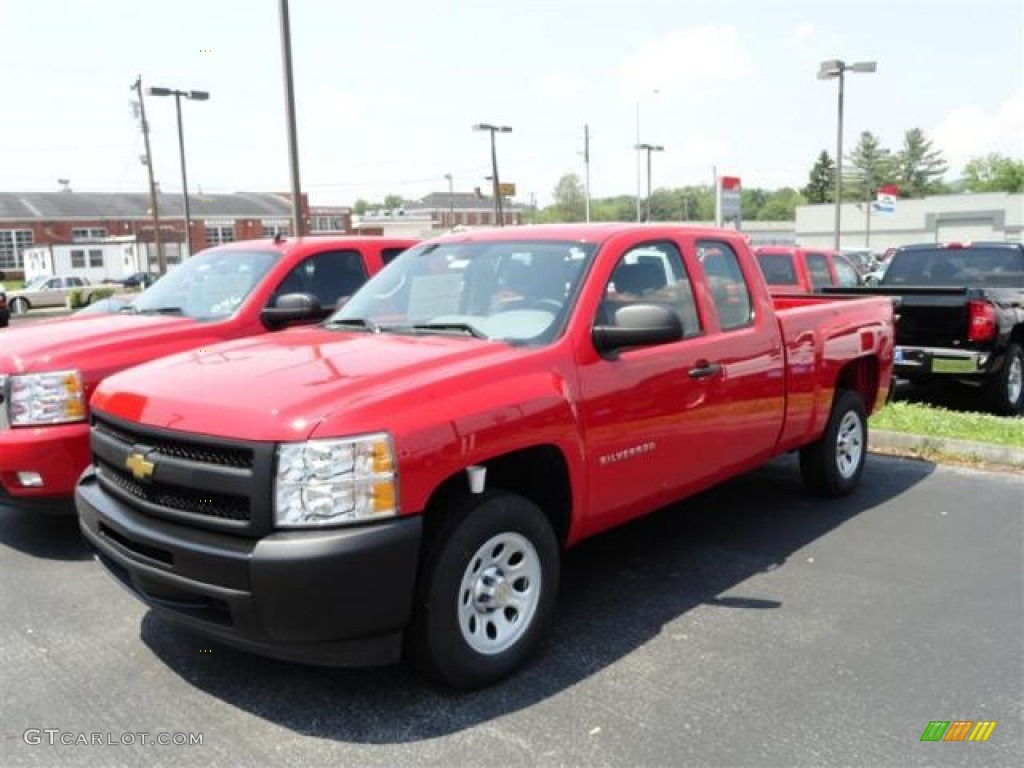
<point x="140" y="468"/>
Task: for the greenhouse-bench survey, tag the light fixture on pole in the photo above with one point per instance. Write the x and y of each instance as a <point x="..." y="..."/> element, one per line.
<point x="639" y="179"/>
<point x="493" y="129"/>
<point x="192" y="96"/>
<point x="829" y="70"/>
<point x="649" y="148"/>
<point x="451" y="201"/>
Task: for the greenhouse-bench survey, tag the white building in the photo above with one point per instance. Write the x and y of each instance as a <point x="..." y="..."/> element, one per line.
<point x="107" y="259"/>
<point x="997" y="216"/>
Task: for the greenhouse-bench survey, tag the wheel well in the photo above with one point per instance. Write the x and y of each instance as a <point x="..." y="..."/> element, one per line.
<point x="1017" y="334"/>
<point x="861" y="375"/>
<point x="539" y="474"/>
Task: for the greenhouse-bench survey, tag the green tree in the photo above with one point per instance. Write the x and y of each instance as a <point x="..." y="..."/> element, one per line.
<point x="821" y="183"/>
<point x="618" y="208"/>
<point x="570" y="200"/>
<point x="919" y="166"/>
<point x="751" y="201"/>
<point x="360" y="207"/>
<point x="781" y="205"/>
<point x="393" y="201"/>
<point x="994" y="173"/>
<point x="872" y="165"/>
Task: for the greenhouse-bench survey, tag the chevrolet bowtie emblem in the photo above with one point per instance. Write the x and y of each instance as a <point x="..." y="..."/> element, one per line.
<point x="140" y="468"/>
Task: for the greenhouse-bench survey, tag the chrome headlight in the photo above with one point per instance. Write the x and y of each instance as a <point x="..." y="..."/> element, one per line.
<point x="330" y="482"/>
<point x="45" y="398"/>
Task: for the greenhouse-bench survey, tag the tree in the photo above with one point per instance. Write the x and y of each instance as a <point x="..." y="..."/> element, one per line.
<point x="781" y="205"/>
<point x="873" y="167"/>
<point x="994" y="173"/>
<point x="360" y="207"/>
<point x="393" y="201"/>
<point x="751" y="201"/>
<point x="821" y="183"/>
<point x="919" y="166"/>
<point x="570" y="201"/>
<point x="619" y="208"/>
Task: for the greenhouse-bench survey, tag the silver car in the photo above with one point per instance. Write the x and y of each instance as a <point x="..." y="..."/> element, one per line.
<point x="45" y="292"/>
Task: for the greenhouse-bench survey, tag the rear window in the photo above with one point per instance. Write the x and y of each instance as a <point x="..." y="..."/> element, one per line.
<point x="778" y="268"/>
<point x="956" y="267"/>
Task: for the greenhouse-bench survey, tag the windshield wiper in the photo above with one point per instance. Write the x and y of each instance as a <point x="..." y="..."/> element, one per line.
<point x="473" y="331"/>
<point x="161" y="311"/>
<point x="358" y="322"/>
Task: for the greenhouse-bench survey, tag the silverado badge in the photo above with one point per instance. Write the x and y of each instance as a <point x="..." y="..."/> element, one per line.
<point x="140" y="468"/>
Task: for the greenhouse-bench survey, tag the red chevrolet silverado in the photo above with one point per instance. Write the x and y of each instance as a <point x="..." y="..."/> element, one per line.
<point x="405" y="476"/>
<point x="803" y="270"/>
<point x="49" y="370"/>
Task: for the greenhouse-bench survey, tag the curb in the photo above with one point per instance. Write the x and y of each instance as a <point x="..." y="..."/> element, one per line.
<point x="919" y="446"/>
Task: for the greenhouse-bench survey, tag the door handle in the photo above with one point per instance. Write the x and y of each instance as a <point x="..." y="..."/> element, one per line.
<point x="704" y="369"/>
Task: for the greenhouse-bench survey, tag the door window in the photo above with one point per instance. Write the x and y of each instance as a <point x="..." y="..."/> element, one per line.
<point x="846" y="275"/>
<point x="728" y="288"/>
<point x="329" y="276"/>
<point x="652" y="273"/>
<point x="817" y="268"/>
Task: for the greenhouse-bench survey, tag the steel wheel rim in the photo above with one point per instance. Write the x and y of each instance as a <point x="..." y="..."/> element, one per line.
<point x="19" y="307"/>
<point x="1015" y="379"/>
<point x="849" y="445"/>
<point x="499" y="593"/>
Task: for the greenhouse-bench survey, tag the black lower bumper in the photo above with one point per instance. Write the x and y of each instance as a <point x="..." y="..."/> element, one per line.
<point x="61" y="506"/>
<point x="337" y="597"/>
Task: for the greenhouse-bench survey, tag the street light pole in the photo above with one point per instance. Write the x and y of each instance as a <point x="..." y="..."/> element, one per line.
<point x="649" y="148"/>
<point x="493" y="129"/>
<point x="451" y="201"/>
<point x="193" y="96"/>
<point x="293" y="142"/>
<point x="829" y="70"/>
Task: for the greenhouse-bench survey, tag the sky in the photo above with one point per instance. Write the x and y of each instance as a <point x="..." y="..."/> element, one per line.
<point x="387" y="92"/>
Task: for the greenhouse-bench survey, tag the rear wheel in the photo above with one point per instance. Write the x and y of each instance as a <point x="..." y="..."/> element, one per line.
<point x="19" y="306"/>
<point x="832" y="465"/>
<point x="486" y="590"/>
<point x="1006" y="388"/>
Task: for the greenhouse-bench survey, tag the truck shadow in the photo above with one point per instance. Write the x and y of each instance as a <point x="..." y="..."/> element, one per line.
<point x="618" y="592"/>
<point x="54" y="537"/>
<point x="949" y="395"/>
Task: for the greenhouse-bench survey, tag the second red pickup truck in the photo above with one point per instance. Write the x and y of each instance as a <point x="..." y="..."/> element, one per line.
<point x="406" y="476"/>
<point x="49" y="370"/>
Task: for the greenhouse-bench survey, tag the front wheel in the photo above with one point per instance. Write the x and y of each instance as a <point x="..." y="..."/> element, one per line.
<point x="486" y="591"/>
<point x="19" y="306"/>
<point x="832" y="465"/>
<point x="1006" y="388"/>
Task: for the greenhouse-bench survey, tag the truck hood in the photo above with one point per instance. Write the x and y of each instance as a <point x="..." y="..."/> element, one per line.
<point x="86" y="342"/>
<point x="280" y="387"/>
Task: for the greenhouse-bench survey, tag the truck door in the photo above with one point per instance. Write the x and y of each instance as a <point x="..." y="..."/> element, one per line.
<point x="645" y="411"/>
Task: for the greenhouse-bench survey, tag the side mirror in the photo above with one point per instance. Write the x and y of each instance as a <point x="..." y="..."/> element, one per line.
<point x="638" y="325"/>
<point x="292" y="308"/>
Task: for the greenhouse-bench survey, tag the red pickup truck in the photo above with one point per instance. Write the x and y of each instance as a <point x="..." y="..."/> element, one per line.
<point x="802" y="270"/>
<point x="406" y="475"/>
<point x="49" y="370"/>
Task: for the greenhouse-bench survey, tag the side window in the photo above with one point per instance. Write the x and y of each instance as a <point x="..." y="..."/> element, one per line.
<point x="846" y="275"/>
<point x="387" y="255"/>
<point x="53" y="284"/>
<point x="652" y="273"/>
<point x="329" y="276"/>
<point x="817" y="268"/>
<point x="728" y="288"/>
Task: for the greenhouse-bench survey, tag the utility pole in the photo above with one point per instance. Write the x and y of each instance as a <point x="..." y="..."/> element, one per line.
<point x="153" y="204"/>
<point x="293" y="142"/>
<point x="492" y="129"/>
<point x="451" y="201"/>
<point x="586" y="166"/>
<point x="649" y="148"/>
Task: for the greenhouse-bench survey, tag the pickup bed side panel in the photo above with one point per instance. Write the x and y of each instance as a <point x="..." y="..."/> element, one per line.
<point x="822" y="337"/>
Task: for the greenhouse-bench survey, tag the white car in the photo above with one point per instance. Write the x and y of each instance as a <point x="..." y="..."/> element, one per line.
<point x="45" y="292"/>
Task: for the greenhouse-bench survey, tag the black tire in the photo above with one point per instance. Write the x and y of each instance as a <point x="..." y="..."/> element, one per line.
<point x="1005" y="390"/>
<point x="832" y="465"/>
<point x="438" y="641"/>
<point x="19" y="306"/>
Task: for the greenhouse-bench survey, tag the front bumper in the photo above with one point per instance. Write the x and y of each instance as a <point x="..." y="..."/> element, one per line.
<point x="336" y="597"/>
<point x="915" y="362"/>
<point x="58" y="453"/>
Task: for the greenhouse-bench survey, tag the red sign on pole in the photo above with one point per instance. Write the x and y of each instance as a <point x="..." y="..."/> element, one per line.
<point x="729" y="182"/>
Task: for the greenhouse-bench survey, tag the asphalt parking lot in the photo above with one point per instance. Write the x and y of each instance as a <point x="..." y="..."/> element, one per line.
<point x="750" y="626"/>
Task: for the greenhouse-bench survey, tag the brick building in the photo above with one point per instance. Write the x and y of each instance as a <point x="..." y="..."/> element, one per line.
<point x="50" y="218"/>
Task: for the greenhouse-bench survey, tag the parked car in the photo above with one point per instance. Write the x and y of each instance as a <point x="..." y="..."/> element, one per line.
<point x="804" y="270"/>
<point x="864" y="259"/>
<point x="137" y="280"/>
<point x="43" y="292"/>
<point x="5" y="312"/>
<point x="960" y="309"/>
<point x="407" y="474"/>
<point x="49" y="370"/>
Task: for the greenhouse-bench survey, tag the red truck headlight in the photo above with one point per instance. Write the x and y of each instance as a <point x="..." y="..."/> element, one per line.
<point x="334" y="482"/>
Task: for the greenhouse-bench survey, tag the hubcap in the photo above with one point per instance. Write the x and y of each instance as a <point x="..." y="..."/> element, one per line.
<point x="1015" y="379"/>
<point x="499" y="593"/>
<point x="849" y="445"/>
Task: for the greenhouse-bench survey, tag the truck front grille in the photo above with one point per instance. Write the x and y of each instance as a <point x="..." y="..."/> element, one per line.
<point x="193" y="479"/>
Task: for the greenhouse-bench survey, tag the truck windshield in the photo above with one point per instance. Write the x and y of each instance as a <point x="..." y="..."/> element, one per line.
<point x="209" y="286"/>
<point x="514" y="291"/>
<point x="956" y="267"/>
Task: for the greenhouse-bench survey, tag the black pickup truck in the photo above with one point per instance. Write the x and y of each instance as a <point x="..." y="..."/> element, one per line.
<point x="960" y="317"/>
